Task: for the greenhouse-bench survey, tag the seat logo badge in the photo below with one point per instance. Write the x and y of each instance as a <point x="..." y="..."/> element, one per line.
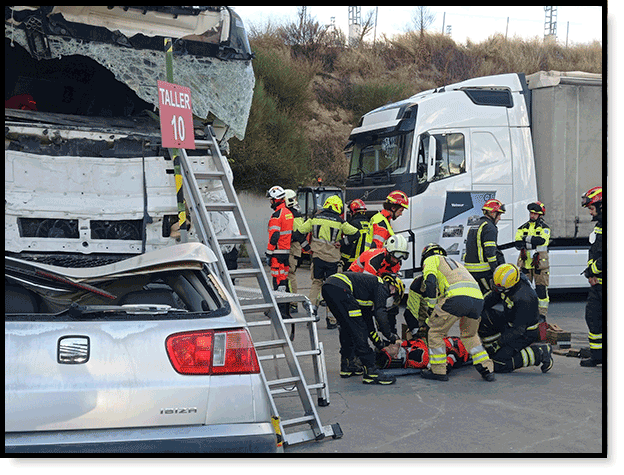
<point x="73" y="350"/>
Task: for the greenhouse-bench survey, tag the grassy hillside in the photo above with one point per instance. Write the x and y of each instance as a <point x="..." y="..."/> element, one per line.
<point x="309" y="95"/>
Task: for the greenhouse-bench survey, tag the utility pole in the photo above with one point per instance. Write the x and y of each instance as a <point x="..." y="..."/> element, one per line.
<point x="355" y="24"/>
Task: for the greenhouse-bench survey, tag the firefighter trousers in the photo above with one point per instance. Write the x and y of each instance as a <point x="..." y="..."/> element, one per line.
<point x="447" y="312"/>
<point x="353" y="329"/>
<point x="593" y="317"/>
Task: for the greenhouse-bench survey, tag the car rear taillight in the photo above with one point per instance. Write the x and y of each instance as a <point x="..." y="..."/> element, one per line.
<point x="212" y="352"/>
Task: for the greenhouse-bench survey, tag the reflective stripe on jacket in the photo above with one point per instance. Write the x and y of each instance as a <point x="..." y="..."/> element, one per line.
<point x="445" y="278"/>
<point x="379" y="229"/>
<point x="482" y="253"/>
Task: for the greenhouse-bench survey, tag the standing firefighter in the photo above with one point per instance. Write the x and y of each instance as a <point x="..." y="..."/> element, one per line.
<point x="352" y="250"/>
<point x="482" y="253"/>
<point x="452" y="295"/>
<point x="510" y="336"/>
<point x="592" y="200"/>
<point x="379" y="227"/>
<point x="297" y="242"/>
<point x="278" y="247"/>
<point x="534" y="235"/>
<point x="327" y="230"/>
<point x="346" y="293"/>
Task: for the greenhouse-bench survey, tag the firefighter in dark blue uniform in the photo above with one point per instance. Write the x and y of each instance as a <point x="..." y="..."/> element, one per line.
<point x="345" y="294"/>
<point x="592" y="200"/>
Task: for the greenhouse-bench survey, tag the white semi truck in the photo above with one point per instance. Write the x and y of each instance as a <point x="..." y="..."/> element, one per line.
<point x="513" y="137"/>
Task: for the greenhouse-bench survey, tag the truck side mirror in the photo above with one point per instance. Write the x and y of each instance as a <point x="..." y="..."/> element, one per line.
<point x="431" y="159"/>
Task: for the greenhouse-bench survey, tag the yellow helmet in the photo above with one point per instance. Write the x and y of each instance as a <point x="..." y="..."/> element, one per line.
<point x="505" y="277"/>
<point x="333" y="202"/>
<point x="394" y="280"/>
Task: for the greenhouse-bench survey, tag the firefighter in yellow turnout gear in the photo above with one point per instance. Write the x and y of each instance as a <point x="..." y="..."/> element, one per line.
<point x="452" y="295"/>
<point x="532" y="239"/>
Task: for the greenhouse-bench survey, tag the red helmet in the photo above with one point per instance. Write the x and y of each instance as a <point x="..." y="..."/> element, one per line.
<point x="592" y="197"/>
<point x="493" y="206"/>
<point x="397" y="197"/>
<point x="537" y="207"/>
<point x="357" y="205"/>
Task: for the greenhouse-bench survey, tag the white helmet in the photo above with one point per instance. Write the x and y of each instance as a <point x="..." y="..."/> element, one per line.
<point x="276" y="193"/>
<point x="290" y="197"/>
<point x="397" y="246"/>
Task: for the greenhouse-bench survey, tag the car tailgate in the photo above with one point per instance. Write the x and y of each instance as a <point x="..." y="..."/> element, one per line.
<point x="104" y="374"/>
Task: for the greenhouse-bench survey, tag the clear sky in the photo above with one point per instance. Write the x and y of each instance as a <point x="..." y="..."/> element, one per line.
<point x="579" y="24"/>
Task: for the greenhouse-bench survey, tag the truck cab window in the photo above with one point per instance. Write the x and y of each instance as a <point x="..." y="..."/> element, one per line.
<point x="450" y="157"/>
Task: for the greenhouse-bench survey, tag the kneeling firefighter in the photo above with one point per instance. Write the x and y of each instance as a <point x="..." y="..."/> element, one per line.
<point x="510" y="336"/>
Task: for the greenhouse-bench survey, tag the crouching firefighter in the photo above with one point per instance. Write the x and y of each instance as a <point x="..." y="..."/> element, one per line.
<point x="345" y="294"/>
<point x="452" y="295"/>
<point x="415" y="354"/>
<point x="510" y="336"/>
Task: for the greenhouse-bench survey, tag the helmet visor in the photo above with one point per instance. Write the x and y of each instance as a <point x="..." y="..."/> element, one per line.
<point x="400" y="255"/>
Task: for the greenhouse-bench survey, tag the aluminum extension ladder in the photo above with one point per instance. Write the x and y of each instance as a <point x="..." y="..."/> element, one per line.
<point x="307" y="425"/>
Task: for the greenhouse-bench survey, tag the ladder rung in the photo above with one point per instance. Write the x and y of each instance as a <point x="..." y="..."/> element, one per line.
<point x="208" y="175"/>
<point x="245" y="272"/>
<point x="220" y="206"/>
<point x="298" y="421"/>
<point x="261" y="323"/>
<point x="241" y="239"/>
<point x="256" y="308"/>
<point x="298" y="353"/>
<point x="280" y="383"/>
<point x="267" y="345"/>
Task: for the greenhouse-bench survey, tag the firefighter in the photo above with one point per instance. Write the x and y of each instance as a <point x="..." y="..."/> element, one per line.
<point x="510" y="336"/>
<point x="482" y="253"/>
<point x="352" y="249"/>
<point x="327" y="230"/>
<point x="278" y="247"/>
<point x="298" y="241"/>
<point x="379" y="227"/>
<point x="592" y="200"/>
<point x="345" y="294"/>
<point x="534" y="235"/>
<point x="386" y="260"/>
<point x="380" y="262"/>
<point x="452" y="295"/>
<point x="413" y="353"/>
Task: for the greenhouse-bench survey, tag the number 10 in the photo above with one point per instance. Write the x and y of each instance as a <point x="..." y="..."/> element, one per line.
<point x="179" y="126"/>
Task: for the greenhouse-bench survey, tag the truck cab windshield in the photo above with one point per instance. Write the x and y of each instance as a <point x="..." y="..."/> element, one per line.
<point x="376" y="154"/>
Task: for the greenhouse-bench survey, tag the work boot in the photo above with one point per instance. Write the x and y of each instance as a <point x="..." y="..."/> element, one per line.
<point x="374" y="376"/>
<point x="485" y="373"/>
<point x="547" y="359"/>
<point x="330" y="325"/>
<point x="350" y="367"/>
<point x="428" y="374"/>
<point x="590" y="362"/>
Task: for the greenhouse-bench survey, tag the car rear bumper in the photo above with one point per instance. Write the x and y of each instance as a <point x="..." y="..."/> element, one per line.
<point x="222" y="438"/>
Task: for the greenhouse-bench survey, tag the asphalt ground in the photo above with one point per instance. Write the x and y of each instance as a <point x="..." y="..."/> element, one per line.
<point x="522" y="414"/>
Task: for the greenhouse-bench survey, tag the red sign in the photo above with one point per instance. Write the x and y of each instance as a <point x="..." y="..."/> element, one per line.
<point x="176" y="116"/>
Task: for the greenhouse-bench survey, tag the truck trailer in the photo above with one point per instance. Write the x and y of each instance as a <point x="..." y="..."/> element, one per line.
<point x="512" y="137"/>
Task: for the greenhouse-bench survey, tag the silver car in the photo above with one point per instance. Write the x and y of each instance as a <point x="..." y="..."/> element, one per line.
<point x="148" y="354"/>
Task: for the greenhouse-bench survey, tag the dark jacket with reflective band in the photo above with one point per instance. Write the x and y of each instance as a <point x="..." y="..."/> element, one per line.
<point x="594" y="264"/>
<point x="374" y="262"/>
<point x="482" y="254"/>
<point x="521" y="310"/>
<point x="446" y="278"/>
<point x="280" y="231"/>
<point x="327" y="229"/>
<point x="533" y="235"/>
<point x="352" y="249"/>
<point x="369" y="291"/>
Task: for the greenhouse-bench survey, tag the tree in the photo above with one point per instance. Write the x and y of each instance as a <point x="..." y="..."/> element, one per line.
<point x="304" y="31"/>
<point x="422" y="18"/>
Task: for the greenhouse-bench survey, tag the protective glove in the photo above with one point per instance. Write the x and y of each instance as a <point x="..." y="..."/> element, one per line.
<point x="535" y="261"/>
<point x="495" y="346"/>
<point x="523" y="254"/>
<point x="374" y="337"/>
